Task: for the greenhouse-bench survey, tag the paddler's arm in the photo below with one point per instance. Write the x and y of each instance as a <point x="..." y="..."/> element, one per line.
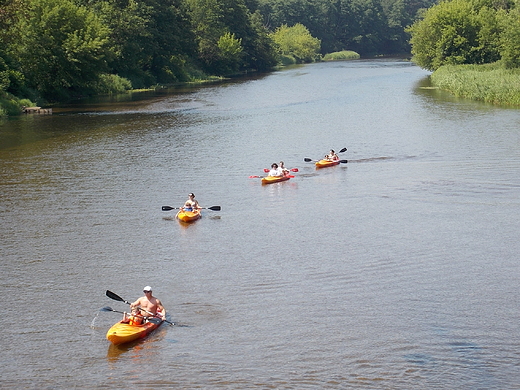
<point x="162" y="309"/>
<point x="136" y="303"/>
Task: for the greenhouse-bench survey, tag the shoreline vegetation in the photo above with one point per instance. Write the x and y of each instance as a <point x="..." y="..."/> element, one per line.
<point x="489" y="83"/>
<point x="11" y="105"/>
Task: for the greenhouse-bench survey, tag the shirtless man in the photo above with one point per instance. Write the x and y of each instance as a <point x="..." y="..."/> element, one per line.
<point x="149" y="303"/>
<point x="191" y="204"/>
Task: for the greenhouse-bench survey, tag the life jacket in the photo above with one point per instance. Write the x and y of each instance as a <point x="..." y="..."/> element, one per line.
<point x="135" y="320"/>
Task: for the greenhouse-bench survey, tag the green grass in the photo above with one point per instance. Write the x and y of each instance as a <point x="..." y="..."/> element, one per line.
<point x="490" y="83"/>
<point x="341" y="55"/>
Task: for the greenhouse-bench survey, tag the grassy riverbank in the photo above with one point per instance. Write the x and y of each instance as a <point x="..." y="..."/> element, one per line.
<point x="490" y="83"/>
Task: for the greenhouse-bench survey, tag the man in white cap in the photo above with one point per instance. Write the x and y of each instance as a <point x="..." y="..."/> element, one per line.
<point x="149" y="304"/>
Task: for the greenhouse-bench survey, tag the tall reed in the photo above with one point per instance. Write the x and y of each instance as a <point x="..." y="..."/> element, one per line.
<point x="491" y="83"/>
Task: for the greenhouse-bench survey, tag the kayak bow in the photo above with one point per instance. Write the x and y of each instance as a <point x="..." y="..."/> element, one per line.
<point x="188" y="216"/>
<point x="123" y="332"/>
<point x="326" y="163"/>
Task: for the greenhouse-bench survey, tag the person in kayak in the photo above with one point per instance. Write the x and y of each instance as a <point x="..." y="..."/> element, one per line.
<point x="133" y="318"/>
<point x="275" y="170"/>
<point x="284" y="170"/>
<point x="149" y="304"/>
<point x="191" y="204"/>
<point x="332" y="156"/>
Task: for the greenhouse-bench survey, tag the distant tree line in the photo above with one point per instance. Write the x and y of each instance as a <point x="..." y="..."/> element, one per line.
<point x="59" y="49"/>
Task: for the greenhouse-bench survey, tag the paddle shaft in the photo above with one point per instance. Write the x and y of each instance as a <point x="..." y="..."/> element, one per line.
<point x="168" y="208"/>
<point x="311" y="160"/>
<point x="107" y="308"/>
<point x="341" y="161"/>
<point x="261" y="177"/>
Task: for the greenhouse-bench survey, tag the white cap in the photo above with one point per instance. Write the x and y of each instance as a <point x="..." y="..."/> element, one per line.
<point x="147" y="288"/>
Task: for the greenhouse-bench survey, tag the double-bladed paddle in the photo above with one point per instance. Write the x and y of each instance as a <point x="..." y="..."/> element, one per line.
<point x="341" y="161"/>
<point x="310" y="159"/>
<point x="292" y="170"/>
<point x="168" y="208"/>
<point x="108" y="308"/>
<point x="261" y="177"/>
<point x="116" y="297"/>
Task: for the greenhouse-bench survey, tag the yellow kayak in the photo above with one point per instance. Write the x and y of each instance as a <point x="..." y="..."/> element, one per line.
<point x="188" y="216"/>
<point x="274" y="179"/>
<point x="123" y="332"/>
<point x="326" y="163"/>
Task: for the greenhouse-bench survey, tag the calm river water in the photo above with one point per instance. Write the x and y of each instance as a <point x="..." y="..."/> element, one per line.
<point x="398" y="270"/>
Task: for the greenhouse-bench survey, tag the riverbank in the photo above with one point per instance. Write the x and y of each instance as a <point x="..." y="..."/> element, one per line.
<point x="490" y="83"/>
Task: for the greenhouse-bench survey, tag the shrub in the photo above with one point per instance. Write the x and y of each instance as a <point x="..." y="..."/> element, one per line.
<point x="341" y="55"/>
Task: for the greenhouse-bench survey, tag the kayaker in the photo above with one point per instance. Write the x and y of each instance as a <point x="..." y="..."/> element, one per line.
<point x="191" y="204"/>
<point x="332" y="156"/>
<point x="149" y="304"/>
<point x="275" y="170"/>
<point x="135" y="318"/>
<point x="284" y="170"/>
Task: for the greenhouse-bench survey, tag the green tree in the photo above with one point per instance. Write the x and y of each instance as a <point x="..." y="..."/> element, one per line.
<point x="510" y="37"/>
<point x="215" y="21"/>
<point x="296" y="41"/>
<point x="153" y="39"/>
<point x="63" y="49"/>
<point x="230" y="53"/>
<point x="261" y="48"/>
<point x="454" y="32"/>
<point x="11" y="79"/>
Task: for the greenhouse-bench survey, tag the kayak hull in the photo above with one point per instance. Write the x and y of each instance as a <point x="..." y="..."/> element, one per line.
<point x="326" y="163"/>
<point x="274" y="179"/>
<point x="121" y="332"/>
<point x="188" y="216"/>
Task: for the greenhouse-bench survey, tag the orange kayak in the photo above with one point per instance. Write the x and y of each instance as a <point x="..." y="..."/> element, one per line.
<point x="124" y="332"/>
<point x="326" y="163"/>
<point x="274" y="179"/>
<point x="188" y="216"/>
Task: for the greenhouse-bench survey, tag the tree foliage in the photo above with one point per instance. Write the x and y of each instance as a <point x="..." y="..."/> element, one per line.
<point x="64" y="48"/>
<point x="296" y="41"/>
<point x="466" y="32"/>
<point x="510" y="38"/>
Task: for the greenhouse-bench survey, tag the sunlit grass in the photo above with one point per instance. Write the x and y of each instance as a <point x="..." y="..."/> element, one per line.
<point x="341" y="55"/>
<point x="490" y="83"/>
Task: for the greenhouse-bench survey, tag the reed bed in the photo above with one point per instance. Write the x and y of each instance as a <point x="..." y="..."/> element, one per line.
<point x="490" y="83"/>
<point x="341" y="55"/>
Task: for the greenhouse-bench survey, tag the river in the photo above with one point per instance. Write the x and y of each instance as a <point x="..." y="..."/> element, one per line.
<point x="397" y="270"/>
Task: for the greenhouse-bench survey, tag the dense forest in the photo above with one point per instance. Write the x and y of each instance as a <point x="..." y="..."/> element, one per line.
<point x="54" y="50"/>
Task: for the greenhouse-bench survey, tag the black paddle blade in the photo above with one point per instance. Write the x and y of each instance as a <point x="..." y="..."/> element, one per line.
<point x="114" y="296"/>
<point x="167" y="208"/>
<point x="214" y="208"/>
<point x="343" y="161"/>
<point x="343" y="150"/>
<point x="106" y="308"/>
<point x="307" y="159"/>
